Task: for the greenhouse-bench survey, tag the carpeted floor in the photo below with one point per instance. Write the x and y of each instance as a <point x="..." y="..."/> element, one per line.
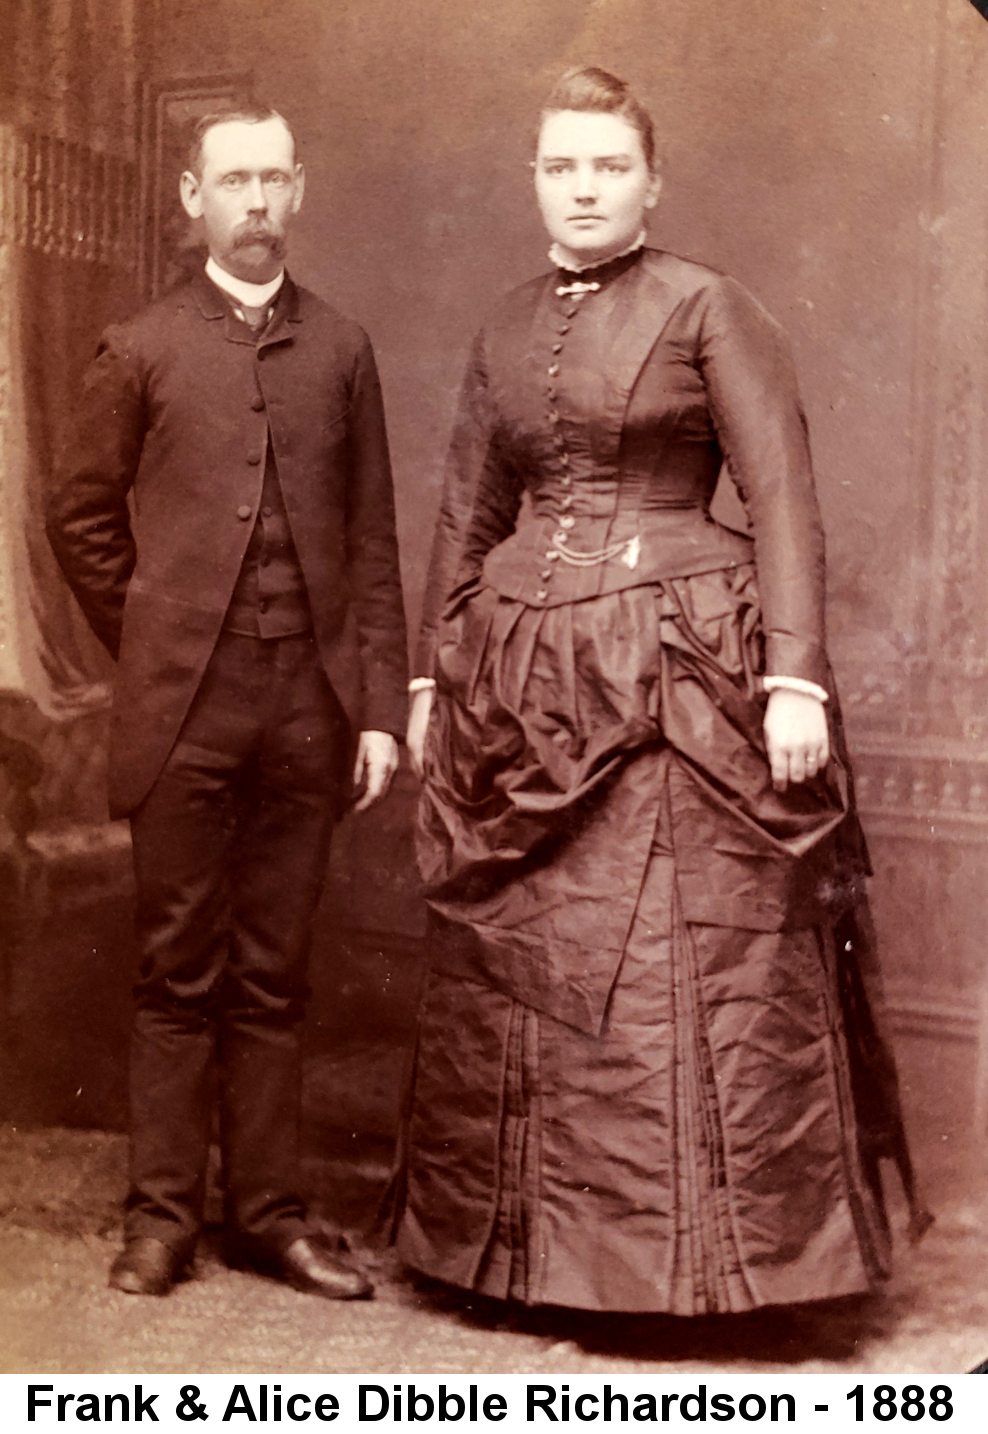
<point x="59" y="1193"/>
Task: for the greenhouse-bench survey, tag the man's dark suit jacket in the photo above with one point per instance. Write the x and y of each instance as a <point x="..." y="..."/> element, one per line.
<point x="175" y="412"/>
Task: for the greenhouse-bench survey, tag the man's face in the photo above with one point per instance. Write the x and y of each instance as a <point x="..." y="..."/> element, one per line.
<point x="249" y="188"/>
<point x="593" y="182"/>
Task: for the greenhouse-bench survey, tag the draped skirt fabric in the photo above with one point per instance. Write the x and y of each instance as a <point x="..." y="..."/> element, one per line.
<point x="633" y="1088"/>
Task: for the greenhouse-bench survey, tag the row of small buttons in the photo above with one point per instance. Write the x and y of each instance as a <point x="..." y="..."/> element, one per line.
<point x="566" y="520"/>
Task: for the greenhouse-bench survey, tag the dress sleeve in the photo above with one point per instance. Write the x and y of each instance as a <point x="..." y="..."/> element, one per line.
<point x="754" y="400"/>
<point x="481" y="497"/>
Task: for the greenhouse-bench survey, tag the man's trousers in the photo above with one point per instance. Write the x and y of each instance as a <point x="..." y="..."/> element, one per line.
<point x="230" y="851"/>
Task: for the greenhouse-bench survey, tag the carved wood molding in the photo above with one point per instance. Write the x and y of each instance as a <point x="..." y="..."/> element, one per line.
<point x="172" y="243"/>
<point x="923" y="789"/>
<point x="63" y="198"/>
<point x="916" y="1013"/>
<point x="81" y="865"/>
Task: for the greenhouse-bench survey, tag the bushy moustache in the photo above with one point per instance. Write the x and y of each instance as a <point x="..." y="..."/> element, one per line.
<point x="274" y="242"/>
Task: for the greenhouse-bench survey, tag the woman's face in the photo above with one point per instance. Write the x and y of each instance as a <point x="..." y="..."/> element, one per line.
<point x="593" y="183"/>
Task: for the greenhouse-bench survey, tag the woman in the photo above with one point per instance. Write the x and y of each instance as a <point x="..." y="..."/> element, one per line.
<point x="633" y="1089"/>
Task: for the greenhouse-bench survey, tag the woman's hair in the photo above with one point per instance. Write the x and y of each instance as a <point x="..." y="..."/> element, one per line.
<point x="589" y="88"/>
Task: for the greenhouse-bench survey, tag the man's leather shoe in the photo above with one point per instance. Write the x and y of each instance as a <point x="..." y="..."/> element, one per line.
<point x="146" y="1266"/>
<point x="307" y="1266"/>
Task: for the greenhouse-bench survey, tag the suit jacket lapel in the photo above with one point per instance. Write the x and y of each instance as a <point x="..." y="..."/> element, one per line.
<point x="287" y="315"/>
<point x="213" y="304"/>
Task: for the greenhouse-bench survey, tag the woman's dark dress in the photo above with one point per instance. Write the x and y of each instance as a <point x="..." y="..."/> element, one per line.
<point x="633" y="1089"/>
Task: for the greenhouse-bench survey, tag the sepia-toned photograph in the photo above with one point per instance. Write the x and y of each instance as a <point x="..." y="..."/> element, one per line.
<point x="493" y="688"/>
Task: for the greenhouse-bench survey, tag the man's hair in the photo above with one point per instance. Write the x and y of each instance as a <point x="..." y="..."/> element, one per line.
<point x="589" y="88"/>
<point x="247" y="113"/>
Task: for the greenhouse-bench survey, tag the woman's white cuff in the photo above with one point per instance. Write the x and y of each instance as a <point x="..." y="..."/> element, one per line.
<point x="796" y="684"/>
<point x="421" y="684"/>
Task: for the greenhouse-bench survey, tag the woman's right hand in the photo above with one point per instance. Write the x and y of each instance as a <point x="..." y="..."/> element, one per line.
<point x="418" y="724"/>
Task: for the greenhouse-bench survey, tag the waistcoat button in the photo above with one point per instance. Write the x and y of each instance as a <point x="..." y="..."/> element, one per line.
<point x="553" y="370"/>
<point x="257" y="403"/>
<point x="243" y="512"/>
<point x="541" y="594"/>
<point x="253" y="459"/>
<point x="567" y="520"/>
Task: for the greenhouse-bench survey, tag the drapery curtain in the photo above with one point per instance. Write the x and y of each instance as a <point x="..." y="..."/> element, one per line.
<point x="69" y="250"/>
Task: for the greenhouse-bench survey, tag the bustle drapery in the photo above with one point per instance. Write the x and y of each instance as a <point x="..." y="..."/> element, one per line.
<point x="68" y="265"/>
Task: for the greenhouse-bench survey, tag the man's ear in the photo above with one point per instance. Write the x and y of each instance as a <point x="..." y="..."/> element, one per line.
<point x="190" y="191"/>
<point x="299" y="188"/>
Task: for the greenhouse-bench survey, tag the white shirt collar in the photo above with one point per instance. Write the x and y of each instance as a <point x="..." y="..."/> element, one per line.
<point x="255" y="296"/>
<point x="557" y="257"/>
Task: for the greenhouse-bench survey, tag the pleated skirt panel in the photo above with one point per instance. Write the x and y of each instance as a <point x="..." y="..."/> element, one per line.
<point x="698" y="1155"/>
<point x="633" y="1080"/>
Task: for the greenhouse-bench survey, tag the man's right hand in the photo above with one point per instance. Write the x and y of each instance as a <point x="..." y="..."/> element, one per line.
<point x="418" y="724"/>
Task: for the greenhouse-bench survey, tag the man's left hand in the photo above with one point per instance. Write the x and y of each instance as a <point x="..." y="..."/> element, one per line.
<point x="377" y="762"/>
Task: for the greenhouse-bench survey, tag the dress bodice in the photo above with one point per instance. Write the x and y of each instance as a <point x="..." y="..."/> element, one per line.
<point x="593" y="426"/>
<point x="568" y="428"/>
<point x="618" y="481"/>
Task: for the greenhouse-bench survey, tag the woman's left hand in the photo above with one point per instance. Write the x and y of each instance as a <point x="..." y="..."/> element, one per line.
<point x="796" y="737"/>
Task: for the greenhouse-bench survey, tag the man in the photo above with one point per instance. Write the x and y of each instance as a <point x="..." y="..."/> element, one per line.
<point x="225" y="518"/>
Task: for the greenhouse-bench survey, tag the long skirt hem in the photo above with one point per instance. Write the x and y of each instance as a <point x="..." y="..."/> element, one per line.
<point x="633" y="1086"/>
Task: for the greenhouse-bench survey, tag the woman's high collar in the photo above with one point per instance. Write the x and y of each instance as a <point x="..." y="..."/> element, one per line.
<point x="568" y="264"/>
